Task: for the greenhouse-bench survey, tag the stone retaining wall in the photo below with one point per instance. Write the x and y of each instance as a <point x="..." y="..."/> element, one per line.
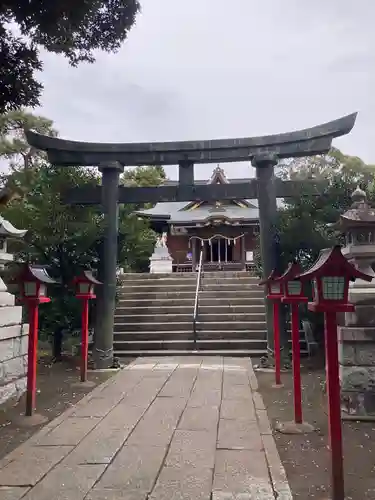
<point x="357" y="370"/>
<point x="13" y="349"/>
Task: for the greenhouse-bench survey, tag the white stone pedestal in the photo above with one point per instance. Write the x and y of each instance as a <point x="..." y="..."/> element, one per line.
<point x="161" y="261"/>
<point x="13" y="347"/>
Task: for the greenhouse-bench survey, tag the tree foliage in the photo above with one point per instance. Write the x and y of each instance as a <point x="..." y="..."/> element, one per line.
<point x="305" y="221"/>
<point x="13" y="144"/>
<point x="75" y="29"/>
<point x="66" y="238"/>
<point x="69" y="238"/>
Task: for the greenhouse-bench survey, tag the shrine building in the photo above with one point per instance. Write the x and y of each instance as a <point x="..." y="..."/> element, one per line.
<point x="225" y="231"/>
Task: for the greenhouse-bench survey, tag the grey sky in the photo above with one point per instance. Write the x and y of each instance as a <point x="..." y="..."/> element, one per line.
<point x="204" y="69"/>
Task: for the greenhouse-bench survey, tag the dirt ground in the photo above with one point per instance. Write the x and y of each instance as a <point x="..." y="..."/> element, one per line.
<point x="55" y="394"/>
<point x="306" y="458"/>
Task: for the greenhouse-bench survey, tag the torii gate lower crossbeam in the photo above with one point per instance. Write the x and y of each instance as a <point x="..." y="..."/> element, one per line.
<point x="263" y="152"/>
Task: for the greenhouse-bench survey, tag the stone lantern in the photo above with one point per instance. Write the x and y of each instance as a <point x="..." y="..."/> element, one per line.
<point x="357" y="336"/>
<point x="13" y="335"/>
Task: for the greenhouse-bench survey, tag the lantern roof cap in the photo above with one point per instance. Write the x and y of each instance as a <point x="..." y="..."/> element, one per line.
<point x="359" y="195"/>
<point x="27" y="272"/>
<point x="272" y="277"/>
<point x="360" y="214"/>
<point x="7" y="229"/>
<point x="86" y="275"/>
<point x="332" y="259"/>
<point x="293" y="270"/>
<point x="41" y="274"/>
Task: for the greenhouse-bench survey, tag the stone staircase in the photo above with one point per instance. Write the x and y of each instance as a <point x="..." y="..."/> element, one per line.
<point x="155" y="315"/>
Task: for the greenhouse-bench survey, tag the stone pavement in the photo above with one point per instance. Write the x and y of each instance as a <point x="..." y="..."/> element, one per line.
<point x="162" y="429"/>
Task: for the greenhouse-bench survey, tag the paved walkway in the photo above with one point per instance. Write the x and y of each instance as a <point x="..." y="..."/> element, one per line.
<point x="162" y="429"/>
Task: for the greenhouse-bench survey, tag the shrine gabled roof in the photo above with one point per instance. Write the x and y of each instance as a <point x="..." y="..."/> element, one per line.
<point x="184" y="212"/>
<point x="176" y="212"/>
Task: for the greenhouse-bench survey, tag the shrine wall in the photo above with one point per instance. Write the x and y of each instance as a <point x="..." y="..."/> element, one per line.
<point x="13" y="348"/>
<point x="178" y="245"/>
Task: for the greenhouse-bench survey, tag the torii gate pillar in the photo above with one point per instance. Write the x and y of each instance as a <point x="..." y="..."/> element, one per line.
<point x="264" y="166"/>
<point x="106" y="299"/>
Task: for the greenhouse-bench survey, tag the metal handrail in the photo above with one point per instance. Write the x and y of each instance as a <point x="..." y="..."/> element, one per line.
<point x="197" y="289"/>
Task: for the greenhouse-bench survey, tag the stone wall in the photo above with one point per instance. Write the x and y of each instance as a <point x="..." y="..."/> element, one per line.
<point x="13" y="348"/>
<point x="357" y="370"/>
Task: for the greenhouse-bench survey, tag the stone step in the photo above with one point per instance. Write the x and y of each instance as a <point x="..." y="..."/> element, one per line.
<point x="228" y="274"/>
<point x="231" y="325"/>
<point x="178" y="317"/>
<point x="187" y="325"/>
<point x="189" y="301"/>
<point x="233" y="344"/>
<point x="204" y="294"/>
<point x="188" y="334"/>
<point x="155" y="277"/>
<point x="189" y="287"/>
<point x="167" y="309"/>
<point x="191" y="279"/>
<point x="219" y="286"/>
<point x="156" y="289"/>
<point x="183" y="277"/>
<point x="252" y="353"/>
<point x="160" y="327"/>
<point x="231" y="308"/>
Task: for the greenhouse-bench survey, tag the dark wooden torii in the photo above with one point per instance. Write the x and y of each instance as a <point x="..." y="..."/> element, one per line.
<point x="263" y="152"/>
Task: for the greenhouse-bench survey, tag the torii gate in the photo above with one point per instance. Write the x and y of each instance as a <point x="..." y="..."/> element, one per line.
<point x="263" y="152"/>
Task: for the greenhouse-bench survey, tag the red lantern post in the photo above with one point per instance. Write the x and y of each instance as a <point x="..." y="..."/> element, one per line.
<point x="33" y="281"/>
<point x="84" y="288"/>
<point x="275" y="293"/>
<point x="330" y="277"/>
<point x="293" y="295"/>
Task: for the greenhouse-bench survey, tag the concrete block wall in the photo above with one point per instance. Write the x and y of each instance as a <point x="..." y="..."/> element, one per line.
<point x="13" y="347"/>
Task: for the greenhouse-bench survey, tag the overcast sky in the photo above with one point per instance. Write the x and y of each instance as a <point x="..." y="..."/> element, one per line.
<point x="205" y="69"/>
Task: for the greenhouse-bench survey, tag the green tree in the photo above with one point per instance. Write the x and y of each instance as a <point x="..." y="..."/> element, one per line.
<point x="69" y="238"/>
<point x="144" y="176"/>
<point x="64" y="238"/>
<point x="134" y="229"/>
<point x="305" y="222"/>
<point x="74" y="29"/>
<point x="13" y="143"/>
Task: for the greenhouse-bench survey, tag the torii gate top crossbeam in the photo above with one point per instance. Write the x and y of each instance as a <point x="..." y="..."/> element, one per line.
<point x="305" y="142"/>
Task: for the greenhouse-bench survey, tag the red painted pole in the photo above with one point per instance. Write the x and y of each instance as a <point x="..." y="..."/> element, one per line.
<point x="85" y="339"/>
<point x="276" y="330"/>
<point x="32" y="358"/>
<point x="334" y="406"/>
<point x="296" y="365"/>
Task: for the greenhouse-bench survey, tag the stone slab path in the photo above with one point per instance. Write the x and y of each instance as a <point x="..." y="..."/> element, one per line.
<point x="162" y="429"/>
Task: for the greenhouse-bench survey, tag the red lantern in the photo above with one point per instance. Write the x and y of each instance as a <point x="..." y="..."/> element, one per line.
<point x="293" y="295"/>
<point x="275" y="293"/>
<point x="85" y="290"/>
<point x="33" y="281"/>
<point x="330" y="276"/>
<point x="85" y="285"/>
<point x="274" y="287"/>
<point x="292" y="288"/>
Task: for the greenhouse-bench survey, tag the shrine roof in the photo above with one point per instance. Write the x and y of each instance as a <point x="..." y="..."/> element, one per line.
<point x="184" y="212"/>
<point x="178" y="212"/>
